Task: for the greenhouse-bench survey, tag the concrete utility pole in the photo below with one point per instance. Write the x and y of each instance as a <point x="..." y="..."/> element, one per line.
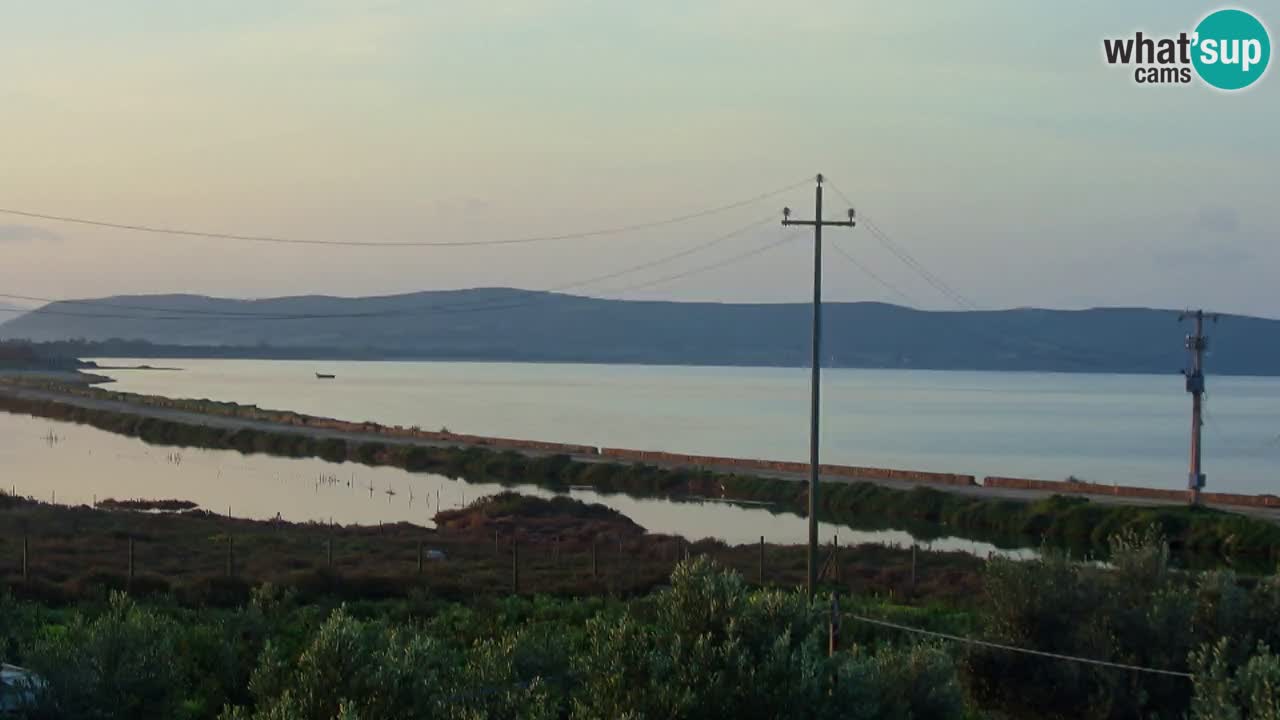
<point x="815" y="365"/>
<point x="1196" y="345"/>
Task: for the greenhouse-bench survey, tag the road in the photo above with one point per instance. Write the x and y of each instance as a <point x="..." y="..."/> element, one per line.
<point x="233" y="423"/>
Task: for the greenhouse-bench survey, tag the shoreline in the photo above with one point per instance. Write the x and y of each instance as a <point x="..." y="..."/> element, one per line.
<point x="1264" y="506"/>
<point x="1021" y="517"/>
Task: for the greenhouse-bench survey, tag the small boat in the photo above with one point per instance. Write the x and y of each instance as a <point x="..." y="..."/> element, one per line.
<point x="324" y="376"/>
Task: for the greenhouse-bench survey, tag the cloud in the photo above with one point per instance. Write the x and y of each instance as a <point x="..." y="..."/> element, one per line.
<point x="27" y="233"/>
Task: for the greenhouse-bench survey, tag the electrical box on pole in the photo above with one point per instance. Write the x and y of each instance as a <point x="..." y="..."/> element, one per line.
<point x="1196" y="344"/>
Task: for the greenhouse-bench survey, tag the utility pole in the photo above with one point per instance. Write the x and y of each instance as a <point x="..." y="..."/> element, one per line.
<point x="1196" y="344"/>
<point x="815" y="362"/>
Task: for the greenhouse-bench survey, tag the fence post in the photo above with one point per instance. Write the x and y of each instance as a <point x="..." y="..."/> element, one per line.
<point x="595" y="558"/>
<point x="761" y="561"/>
<point x="129" y="584"/>
<point x="515" y="566"/>
<point x="419" y="557"/>
<point x="555" y="551"/>
<point x="26" y="568"/>
<point x="328" y="551"/>
<point x="496" y="544"/>
<point x="231" y="556"/>
<point x="833" y="627"/>
<point x="913" y="568"/>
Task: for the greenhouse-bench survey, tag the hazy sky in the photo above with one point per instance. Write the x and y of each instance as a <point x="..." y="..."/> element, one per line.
<point x="989" y="138"/>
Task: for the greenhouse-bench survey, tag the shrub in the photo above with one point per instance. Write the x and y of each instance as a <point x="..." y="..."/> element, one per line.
<point x="1224" y="692"/>
<point x="712" y="649"/>
<point x="354" y="668"/>
<point x="119" y="665"/>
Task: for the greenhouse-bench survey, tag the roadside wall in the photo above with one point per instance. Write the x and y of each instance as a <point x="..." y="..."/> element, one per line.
<point x="1084" y="488"/>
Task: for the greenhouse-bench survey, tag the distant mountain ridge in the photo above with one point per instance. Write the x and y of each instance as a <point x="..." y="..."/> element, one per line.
<point x="521" y="325"/>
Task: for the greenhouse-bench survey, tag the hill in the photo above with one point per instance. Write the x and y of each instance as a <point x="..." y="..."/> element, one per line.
<point x="519" y="325"/>
<point x="9" y="311"/>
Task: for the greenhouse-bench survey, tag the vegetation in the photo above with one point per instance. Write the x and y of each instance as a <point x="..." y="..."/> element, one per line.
<point x="1140" y="611"/>
<point x="540" y="519"/>
<point x="1073" y="523"/>
<point x="25" y="356"/>
<point x="147" y="505"/>
<point x="708" y="645"/>
<point x="81" y="553"/>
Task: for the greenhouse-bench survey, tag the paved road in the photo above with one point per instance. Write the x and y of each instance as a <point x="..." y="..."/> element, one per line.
<point x="218" y="421"/>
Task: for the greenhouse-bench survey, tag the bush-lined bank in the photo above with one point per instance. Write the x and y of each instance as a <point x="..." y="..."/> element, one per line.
<point x="1071" y="522"/>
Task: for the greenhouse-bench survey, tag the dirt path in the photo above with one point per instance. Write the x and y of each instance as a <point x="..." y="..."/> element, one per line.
<point x="233" y="423"/>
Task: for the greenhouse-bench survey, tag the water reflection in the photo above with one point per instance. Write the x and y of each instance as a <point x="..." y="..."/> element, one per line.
<point x="76" y="464"/>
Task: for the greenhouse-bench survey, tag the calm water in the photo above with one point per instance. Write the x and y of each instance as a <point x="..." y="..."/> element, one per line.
<point x="74" y="464"/>
<point x="1127" y="429"/>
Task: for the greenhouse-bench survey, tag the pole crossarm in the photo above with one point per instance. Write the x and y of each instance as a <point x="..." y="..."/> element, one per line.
<point x="824" y="223"/>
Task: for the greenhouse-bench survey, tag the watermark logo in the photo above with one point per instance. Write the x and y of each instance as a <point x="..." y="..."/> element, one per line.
<point x="1228" y="50"/>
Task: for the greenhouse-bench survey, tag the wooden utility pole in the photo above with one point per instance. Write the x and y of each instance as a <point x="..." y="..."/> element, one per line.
<point x="1196" y="344"/>
<point x="815" y="362"/>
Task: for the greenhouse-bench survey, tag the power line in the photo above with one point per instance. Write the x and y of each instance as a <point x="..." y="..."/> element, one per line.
<point x="1014" y="648"/>
<point x="705" y="268"/>
<point x="616" y="230"/>
<point x="936" y="282"/>
<point x="909" y="260"/>
<point x="869" y="273"/>
<point x="448" y="306"/>
<point x="179" y="314"/>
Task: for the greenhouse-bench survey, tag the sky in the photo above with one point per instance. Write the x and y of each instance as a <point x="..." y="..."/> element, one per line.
<point x="987" y="138"/>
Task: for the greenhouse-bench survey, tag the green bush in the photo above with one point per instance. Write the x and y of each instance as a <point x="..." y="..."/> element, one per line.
<point x="118" y="665"/>
<point x="1226" y="691"/>
<point x="1138" y="611"/>
<point x="351" y="667"/>
<point x="709" y="648"/>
